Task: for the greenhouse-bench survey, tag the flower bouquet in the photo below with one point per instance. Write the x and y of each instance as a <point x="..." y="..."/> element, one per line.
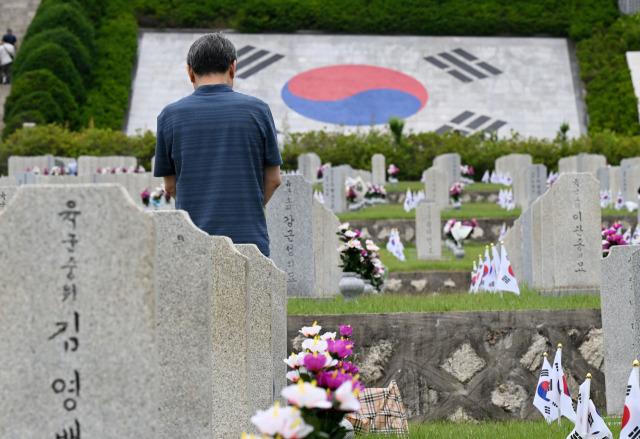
<point x="350" y="248"/>
<point x="351" y="194"/>
<point x="145" y="195"/>
<point x="375" y="194"/>
<point x="612" y="237"/>
<point x="325" y="389"/>
<point x="455" y="192"/>
<point x="467" y="173"/>
<point x="456" y="232"/>
<point x="393" y="172"/>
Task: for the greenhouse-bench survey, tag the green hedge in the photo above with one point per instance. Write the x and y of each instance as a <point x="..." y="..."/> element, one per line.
<point x="43" y="101"/>
<point x="416" y="151"/>
<point x="575" y="18"/>
<point x="43" y="80"/>
<point x="116" y="47"/>
<point x="56" y="13"/>
<point x="64" y="38"/>
<point x="610" y="95"/>
<point x="16" y="123"/>
<point x="54" y="58"/>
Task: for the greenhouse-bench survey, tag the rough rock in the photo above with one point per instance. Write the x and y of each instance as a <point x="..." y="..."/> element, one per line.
<point x="592" y="350"/>
<point x="373" y="360"/>
<point x="464" y="363"/>
<point x="460" y="416"/>
<point x="509" y="396"/>
<point x="419" y="285"/>
<point x="532" y="360"/>
<point x="449" y="283"/>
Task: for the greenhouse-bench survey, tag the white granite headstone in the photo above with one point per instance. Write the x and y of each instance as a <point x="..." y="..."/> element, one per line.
<point x="428" y="233"/>
<point x="378" y="169"/>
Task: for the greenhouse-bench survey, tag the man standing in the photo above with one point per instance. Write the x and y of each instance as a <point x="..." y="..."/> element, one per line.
<point x="217" y="149"/>
<point x="9" y="37"/>
<point x="7" y="53"/>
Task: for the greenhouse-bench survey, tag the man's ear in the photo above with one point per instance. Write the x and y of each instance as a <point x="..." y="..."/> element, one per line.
<point x="232" y="69"/>
<point x="192" y="76"/>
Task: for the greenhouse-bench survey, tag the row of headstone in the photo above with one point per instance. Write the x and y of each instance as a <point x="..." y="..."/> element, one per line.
<point x="512" y="164"/>
<point x="88" y="165"/>
<point x="303" y="239"/>
<point x="19" y="164"/>
<point x="308" y="165"/>
<point x="582" y="163"/>
<point x="561" y="238"/>
<point x="125" y="323"/>
<point x="132" y="182"/>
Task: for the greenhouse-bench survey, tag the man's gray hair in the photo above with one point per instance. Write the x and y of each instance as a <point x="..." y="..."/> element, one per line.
<point x="212" y="53"/>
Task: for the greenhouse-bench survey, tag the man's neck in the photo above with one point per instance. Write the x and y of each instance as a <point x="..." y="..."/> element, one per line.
<point x="212" y="80"/>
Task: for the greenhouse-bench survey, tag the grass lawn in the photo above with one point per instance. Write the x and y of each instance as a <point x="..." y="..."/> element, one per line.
<point x="402" y="186"/>
<point x="396" y="211"/>
<point x="494" y="430"/>
<point x="386" y="303"/>
<point x="448" y="262"/>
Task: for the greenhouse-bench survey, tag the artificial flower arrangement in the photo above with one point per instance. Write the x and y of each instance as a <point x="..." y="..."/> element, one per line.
<point x="374" y="191"/>
<point x="458" y="231"/>
<point x="358" y="259"/>
<point x="121" y="170"/>
<point x="145" y="196"/>
<point x="467" y="171"/>
<point x="351" y="194"/>
<point x="321" y="169"/>
<point x="325" y="388"/>
<point x="156" y="196"/>
<point x="167" y="197"/>
<point x="612" y="237"/>
<point x="393" y="170"/>
<point x="455" y="191"/>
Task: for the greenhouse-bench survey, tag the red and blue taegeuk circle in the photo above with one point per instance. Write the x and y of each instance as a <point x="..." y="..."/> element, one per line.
<point x="354" y="94"/>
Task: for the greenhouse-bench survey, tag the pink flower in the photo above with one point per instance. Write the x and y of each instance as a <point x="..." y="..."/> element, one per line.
<point x="346" y="330"/>
<point x="342" y="348"/>
<point x="314" y="362"/>
<point x="332" y="380"/>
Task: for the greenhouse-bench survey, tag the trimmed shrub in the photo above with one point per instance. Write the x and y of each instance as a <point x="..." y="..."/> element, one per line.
<point x="15" y="124"/>
<point x="43" y="80"/>
<point x="40" y="101"/>
<point x="64" y="38"/>
<point x="66" y="15"/>
<point x="116" y="46"/>
<point x="54" y="58"/>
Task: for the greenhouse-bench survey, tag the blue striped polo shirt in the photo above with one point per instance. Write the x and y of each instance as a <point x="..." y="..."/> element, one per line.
<point x="217" y="143"/>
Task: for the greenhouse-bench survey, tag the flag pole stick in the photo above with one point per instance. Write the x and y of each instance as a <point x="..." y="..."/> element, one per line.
<point x="561" y="390"/>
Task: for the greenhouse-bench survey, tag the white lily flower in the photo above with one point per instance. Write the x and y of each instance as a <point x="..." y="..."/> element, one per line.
<point x="293" y="361"/>
<point x="315" y="345"/>
<point x="294" y="426"/>
<point x="311" y="331"/>
<point x="344" y="226"/>
<point x="293" y="375"/>
<point x="350" y="234"/>
<point x="347" y="397"/>
<point x="306" y="395"/>
<point x="342" y="248"/>
<point x="328" y="335"/>
<point x="269" y="421"/>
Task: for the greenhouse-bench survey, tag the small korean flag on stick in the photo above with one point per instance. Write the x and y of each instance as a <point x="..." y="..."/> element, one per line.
<point x="561" y="396"/>
<point x="589" y="423"/>
<point x="631" y="416"/>
<point x="541" y="400"/>
<point x="506" y="280"/>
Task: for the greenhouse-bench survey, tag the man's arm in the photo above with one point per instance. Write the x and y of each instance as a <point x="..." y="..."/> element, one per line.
<point x="170" y="185"/>
<point x="271" y="182"/>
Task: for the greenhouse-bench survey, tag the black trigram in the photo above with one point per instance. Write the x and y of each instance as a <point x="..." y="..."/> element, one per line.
<point x="635" y="433"/>
<point x="547" y="410"/>
<point x="252" y="60"/>
<point x="462" y="65"/>
<point x="544" y="373"/>
<point x="550" y="385"/>
<point x="590" y="419"/>
<point x="579" y="397"/>
<point x="628" y="390"/>
<point x="557" y="367"/>
<point x="575" y="435"/>
<point x="469" y="122"/>
<point x="506" y="279"/>
<point x="553" y="403"/>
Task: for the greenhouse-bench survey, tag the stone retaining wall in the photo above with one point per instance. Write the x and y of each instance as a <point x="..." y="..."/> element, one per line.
<point x="469" y="365"/>
<point x="428" y="282"/>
